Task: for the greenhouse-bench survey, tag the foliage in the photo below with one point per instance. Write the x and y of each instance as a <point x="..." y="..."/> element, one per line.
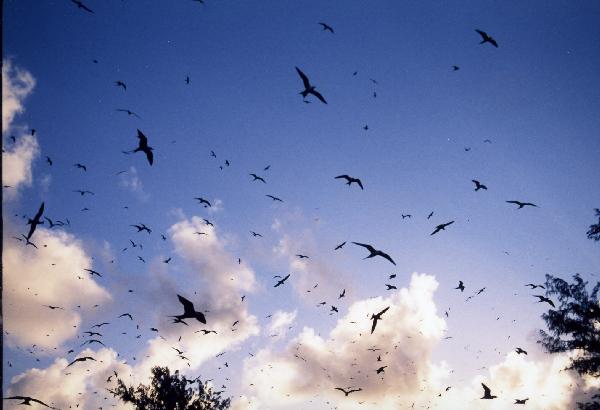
<point x="575" y="325"/>
<point x="171" y="392"/>
<point x="594" y="231"/>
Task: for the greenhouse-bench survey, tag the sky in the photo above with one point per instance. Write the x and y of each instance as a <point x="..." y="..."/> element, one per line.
<point x="521" y="118"/>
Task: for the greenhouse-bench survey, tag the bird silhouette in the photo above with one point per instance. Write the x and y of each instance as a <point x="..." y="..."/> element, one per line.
<point x="93" y="272"/>
<point x="544" y="299"/>
<point x="28" y="400"/>
<point x="390" y="287"/>
<point x="342" y="294"/>
<point x="127" y="315"/>
<point x="521" y="401"/>
<point x="256" y="234"/>
<point x="142" y="227"/>
<point x="53" y="307"/>
<point x="187" y="79"/>
<point x="375" y="252"/>
<point x="350" y="180"/>
<point x="80" y="166"/>
<point x="49" y="161"/>
<point x="486" y="38"/>
<point x="81" y="359"/>
<point x="326" y="27"/>
<point x="533" y="286"/>
<point x="33" y="223"/>
<point x="460" y="286"/>
<point x="257" y="178"/>
<point x="347" y="392"/>
<point x="376" y="318"/>
<point x="441" y="227"/>
<point x="455" y="68"/>
<point x="487" y="392"/>
<point x="381" y="369"/>
<point x="282" y="281"/>
<point x="274" y="198"/>
<point x="189" y="312"/>
<point x="340" y="246"/>
<point x="478" y="185"/>
<point x="521" y="204"/>
<point x="308" y="88"/>
<point x="129" y="112"/>
<point x="120" y="83"/>
<point x="82" y="192"/>
<point x="82" y="6"/>
<point x="302" y="256"/>
<point x="144" y="147"/>
<point x="520" y="351"/>
<point x="203" y="201"/>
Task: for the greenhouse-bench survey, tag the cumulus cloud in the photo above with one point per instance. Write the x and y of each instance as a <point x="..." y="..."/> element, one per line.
<point x="311" y="366"/>
<point x="17" y="84"/>
<point x="131" y="181"/>
<point x="17" y="158"/>
<point x="83" y="384"/>
<point x="46" y="276"/>
<point x="16" y="164"/>
<point x="306" y="372"/>
<point x="280" y="323"/>
<point x="214" y="281"/>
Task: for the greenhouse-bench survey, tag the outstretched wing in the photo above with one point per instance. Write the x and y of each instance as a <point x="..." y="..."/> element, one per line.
<point x="188" y="307"/>
<point x="304" y="78"/>
<point x="143" y="139"/>
<point x="358" y="181"/>
<point x="484" y="36"/>
<point x="318" y="95"/>
<point x="383" y="311"/>
<point x="486" y="390"/>
<point x="388" y="257"/>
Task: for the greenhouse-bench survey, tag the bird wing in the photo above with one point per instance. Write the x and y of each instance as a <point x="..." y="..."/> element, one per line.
<point x="304" y="78"/>
<point x="486" y="390"/>
<point x="358" y="181"/>
<point x="374" y="324"/>
<point x="83" y="6"/>
<point x="514" y="202"/>
<point x="318" y="95"/>
<point x="39" y="213"/>
<point x="493" y="42"/>
<point x="188" y="307"/>
<point x="364" y="245"/>
<point x="483" y="35"/>
<point x="149" y="155"/>
<point x="346" y="177"/>
<point x="386" y="256"/>
<point x="143" y="139"/>
<point x="437" y="229"/>
<point x="383" y="311"/>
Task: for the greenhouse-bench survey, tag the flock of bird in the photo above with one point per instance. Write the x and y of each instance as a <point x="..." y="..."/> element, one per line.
<point x="189" y="310"/>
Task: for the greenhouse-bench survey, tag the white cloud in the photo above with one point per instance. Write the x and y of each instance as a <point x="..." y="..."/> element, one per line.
<point x="16" y="164"/>
<point x="220" y="281"/>
<point x="46" y="276"/>
<point x="280" y="323"/>
<point x="131" y="181"/>
<point x="17" y="84"/>
<point x="83" y="384"/>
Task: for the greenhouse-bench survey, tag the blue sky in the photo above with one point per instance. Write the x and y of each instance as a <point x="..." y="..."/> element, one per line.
<point x="535" y="97"/>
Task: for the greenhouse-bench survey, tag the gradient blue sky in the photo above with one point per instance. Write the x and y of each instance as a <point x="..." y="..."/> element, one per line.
<point x="536" y="97"/>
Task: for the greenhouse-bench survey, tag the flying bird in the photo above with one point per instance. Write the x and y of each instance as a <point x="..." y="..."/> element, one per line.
<point x="203" y="201"/>
<point x="441" y="227"/>
<point x="302" y="256"/>
<point x="342" y="294"/>
<point x="127" y="315"/>
<point x="81" y="359"/>
<point x="478" y="185"/>
<point x="33" y="223"/>
<point x="544" y="299"/>
<point x="83" y="192"/>
<point x="93" y="272"/>
<point x="281" y="281"/>
<point x="308" y="88"/>
<point x="144" y="147"/>
<point x="27" y="401"/>
<point x="53" y="307"/>
<point x="460" y="286"/>
<point x="255" y="234"/>
<point x="455" y="68"/>
<point x="189" y="312"/>
<point x="487" y="392"/>
<point x="486" y="38"/>
<point x="520" y="351"/>
<point x="375" y="252"/>
<point x="257" y="178"/>
<point x="350" y="180"/>
<point x="521" y="401"/>
<point x="376" y="318"/>
<point x="49" y="161"/>
<point x="521" y="204"/>
<point x="533" y="286"/>
<point x="129" y="112"/>
<point x="381" y="369"/>
<point x="121" y="84"/>
<point x="274" y="198"/>
<point x="340" y="246"/>
<point x="390" y="287"/>
<point x="81" y="166"/>
<point x="326" y="27"/>
<point x="80" y="5"/>
<point x="347" y="392"/>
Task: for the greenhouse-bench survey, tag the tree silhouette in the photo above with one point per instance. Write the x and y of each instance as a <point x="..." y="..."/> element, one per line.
<point x="574" y="327"/>
<point x="594" y="231"/>
<point x="171" y="392"/>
